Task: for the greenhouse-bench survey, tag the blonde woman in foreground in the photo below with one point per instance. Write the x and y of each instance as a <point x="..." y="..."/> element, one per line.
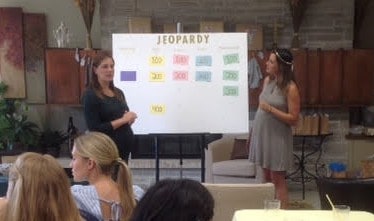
<point x="96" y="160"/>
<point x="38" y="189"/>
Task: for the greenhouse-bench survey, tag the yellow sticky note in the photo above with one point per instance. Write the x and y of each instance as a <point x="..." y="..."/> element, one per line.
<point x="156" y="61"/>
<point x="156" y="76"/>
<point x="158" y="109"/>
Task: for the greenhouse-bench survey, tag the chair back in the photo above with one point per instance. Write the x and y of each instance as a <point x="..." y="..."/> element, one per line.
<point x="231" y="197"/>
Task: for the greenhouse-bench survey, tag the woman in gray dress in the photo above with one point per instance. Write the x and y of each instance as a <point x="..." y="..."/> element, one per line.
<point x="279" y="108"/>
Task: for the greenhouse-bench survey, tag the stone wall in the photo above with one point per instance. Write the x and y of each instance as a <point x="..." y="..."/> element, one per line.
<point x="327" y="24"/>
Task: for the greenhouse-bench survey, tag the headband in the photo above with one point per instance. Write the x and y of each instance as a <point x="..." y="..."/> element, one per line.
<point x="280" y="58"/>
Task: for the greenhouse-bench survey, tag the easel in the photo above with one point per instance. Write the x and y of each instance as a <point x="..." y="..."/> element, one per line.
<point x="203" y="146"/>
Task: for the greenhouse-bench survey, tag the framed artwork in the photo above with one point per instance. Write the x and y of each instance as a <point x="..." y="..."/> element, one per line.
<point x="35" y="40"/>
<point x="11" y="52"/>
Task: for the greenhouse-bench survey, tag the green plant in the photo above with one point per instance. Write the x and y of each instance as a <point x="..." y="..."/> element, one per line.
<point x="52" y="138"/>
<point x="15" y="128"/>
<point x="50" y="141"/>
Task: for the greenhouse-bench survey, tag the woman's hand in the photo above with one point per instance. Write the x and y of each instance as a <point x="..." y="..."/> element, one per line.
<point x="293" y="102"/>
<point x="265" y="106"/>
<point x="129" y="117"/>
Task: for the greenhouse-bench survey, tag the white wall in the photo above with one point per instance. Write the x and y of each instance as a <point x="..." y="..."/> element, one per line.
<point x="61" y="10"/>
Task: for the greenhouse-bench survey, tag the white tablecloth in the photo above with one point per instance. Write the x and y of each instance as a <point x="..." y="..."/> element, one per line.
<point x="297" y="215"/>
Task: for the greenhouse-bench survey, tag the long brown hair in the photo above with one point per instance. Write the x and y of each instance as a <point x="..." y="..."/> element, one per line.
<point x="101" y="149"/>
<point x="94" y="81"/>
<point x="39" y="190"/>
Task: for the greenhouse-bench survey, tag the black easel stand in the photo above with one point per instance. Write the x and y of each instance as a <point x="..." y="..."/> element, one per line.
<point x="180" y="157"/>
<point x="203" y="146"/>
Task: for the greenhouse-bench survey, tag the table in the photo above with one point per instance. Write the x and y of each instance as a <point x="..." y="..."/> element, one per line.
<point x="305" y="175"/>
<point x="297" y="215"/>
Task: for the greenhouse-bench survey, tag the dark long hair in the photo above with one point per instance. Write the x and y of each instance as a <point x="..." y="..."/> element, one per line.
<point x="285" y="62"/>
<point x="94" y="82"/>
<point x="175" y="199"/>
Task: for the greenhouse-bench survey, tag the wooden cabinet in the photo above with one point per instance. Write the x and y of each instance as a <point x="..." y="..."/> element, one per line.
<point x="313" y="77"/>
<point x="358" y="77"/>
<point x="331" y="67"/>
<point x="66" y="78"/>
<point x="330" y="78"/>
<point x="300" y="70"/>
<point x="62" y="72"/>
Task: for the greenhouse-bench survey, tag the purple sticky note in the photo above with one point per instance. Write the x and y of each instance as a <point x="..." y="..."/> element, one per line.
<point x="128" y="75"/>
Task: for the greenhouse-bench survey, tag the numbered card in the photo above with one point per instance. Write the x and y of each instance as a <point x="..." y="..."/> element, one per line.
<point x="156" y="61"/>
<point x="158" y="109"/>
<point x="157" y="77"/>
<point x="230" y="91"/>
<point x="231" y="75"/>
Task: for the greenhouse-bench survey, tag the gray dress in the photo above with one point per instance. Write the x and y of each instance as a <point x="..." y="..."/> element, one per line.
<point x="271" y="142"/>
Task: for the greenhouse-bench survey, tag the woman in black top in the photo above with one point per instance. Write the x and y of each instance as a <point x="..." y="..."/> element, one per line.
<point x="105" y="107"/>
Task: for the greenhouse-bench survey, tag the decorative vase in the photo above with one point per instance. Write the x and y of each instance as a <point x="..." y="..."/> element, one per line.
<point x="297" y="8"/>
<point x="87" y="8"/>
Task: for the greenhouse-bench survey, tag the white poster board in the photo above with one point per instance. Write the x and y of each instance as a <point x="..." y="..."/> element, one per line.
<point x="184" y="83"/>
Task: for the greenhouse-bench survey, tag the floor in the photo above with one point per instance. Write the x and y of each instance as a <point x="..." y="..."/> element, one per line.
<point x="144" y="175"/>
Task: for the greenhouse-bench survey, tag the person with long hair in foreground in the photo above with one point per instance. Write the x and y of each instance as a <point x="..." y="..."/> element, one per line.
<point x="38" y="189"/>
<point x="110" y="193"/>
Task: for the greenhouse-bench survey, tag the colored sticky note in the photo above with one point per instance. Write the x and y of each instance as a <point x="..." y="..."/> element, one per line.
<point x="203" y="76"/>
<point x="156" y="61"/>
<point x="128" y="75"/>
<point x="158" y="109"/>
<point x="203" y="61"/>
<point x="180" y="75"/>
<point x="156" y="76"/>
<point x="230" y="91"/>
<point x="181" y="59"/>
<point x="230" y="59"/>
<point x="230" y="75"/>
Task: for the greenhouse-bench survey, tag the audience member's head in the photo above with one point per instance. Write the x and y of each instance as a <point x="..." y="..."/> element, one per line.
<point x="39" y="189"/>
<point x="175" y="199"/>
<point x="96" y="154"/>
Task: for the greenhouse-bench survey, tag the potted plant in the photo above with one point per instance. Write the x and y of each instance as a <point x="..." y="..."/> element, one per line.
<point x="17" y="133"/>
<point x="50" y="141"/>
